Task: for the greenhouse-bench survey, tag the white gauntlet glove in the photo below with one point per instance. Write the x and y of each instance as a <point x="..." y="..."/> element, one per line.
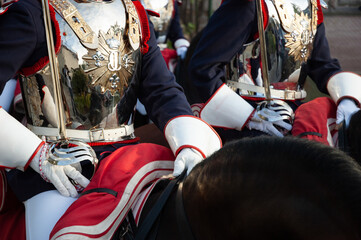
<point x="186" y="159"/>
<point x="345" y="109"/>
<point x="21" y="148"/>
<point x="181" y="45"/>
<point x="343" y="87"/>
<point x="181" y="52"/>
<point x="191" y="140"/>
<point x="58" y="175"/>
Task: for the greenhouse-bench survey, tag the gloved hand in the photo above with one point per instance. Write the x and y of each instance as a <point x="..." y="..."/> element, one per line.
<point x="268" y="127"/>
<point x="182" y="51"/>
<point x="187" y="158"/>
<point x="58" y="175"/>
<point x="345" y="109"/>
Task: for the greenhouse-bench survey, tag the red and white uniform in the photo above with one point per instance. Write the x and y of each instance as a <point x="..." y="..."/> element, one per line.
<point x="97" y="215"/>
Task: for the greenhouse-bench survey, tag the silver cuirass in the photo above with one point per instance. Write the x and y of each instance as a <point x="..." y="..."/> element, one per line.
<point x="165" y="9"/>
<point x="99" y="65"/>
<point x="289" y="39"/>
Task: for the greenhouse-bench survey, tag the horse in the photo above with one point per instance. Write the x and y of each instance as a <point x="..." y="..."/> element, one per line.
<point x="265" y="188"/>
<point x="253" y="188"/>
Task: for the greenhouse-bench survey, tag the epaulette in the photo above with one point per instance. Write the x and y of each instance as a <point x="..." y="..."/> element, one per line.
<point x="4" y="5"/>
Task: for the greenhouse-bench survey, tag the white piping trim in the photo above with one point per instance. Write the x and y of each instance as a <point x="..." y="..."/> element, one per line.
<point x="131" y="192"/>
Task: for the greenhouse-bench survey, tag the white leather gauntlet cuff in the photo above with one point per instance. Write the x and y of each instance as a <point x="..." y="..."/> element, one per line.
<point x="191" y="132"/>
<point x="19" y="145"/>
<point x="345" y="84"/>
<point x="226" y="109"/>
<point x="181" y="43"/>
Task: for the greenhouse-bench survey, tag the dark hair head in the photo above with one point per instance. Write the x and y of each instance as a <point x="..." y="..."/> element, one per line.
<point x="275" y="188"/>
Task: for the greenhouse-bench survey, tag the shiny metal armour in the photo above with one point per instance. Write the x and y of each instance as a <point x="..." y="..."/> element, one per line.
<point x="99" y="65"/>
<point x="165" y="8"/>
<point x="289" y="41"/>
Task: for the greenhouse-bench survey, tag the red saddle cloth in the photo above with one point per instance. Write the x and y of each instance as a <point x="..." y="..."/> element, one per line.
<point x="125" y="172"/>
<point x="316" y="120"/>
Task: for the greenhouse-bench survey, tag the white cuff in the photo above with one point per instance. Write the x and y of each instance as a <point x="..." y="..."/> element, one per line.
<point x="18" y="145"/>
<point x="191" y="132"/>
<point x="181" y="43"/>
<point x="226" y="109"/>
<point x="345" y="84"/>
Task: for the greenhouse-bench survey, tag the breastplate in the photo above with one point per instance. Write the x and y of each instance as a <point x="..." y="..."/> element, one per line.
<point x="165" y="8"/>
<point x="289" y="36"/>
<point x="98" y="62"/>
